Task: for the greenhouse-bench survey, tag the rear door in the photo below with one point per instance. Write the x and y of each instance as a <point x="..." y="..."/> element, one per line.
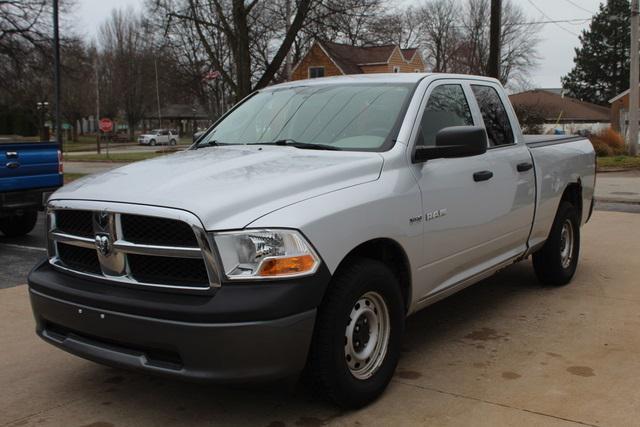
<point x="513" y="178"/>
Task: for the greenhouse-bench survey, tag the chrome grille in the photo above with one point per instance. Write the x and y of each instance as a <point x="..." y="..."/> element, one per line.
<point x="78" y="258"/>
<point x="134" y="244"/>
<point x="157" y="231"/>
<point x="78" y="223"/>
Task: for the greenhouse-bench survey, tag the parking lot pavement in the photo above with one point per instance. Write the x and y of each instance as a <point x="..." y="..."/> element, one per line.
<point x="504" y="352"/>
<point x="19" y="254"/>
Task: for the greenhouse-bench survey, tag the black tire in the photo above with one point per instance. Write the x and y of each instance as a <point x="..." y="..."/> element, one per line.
<point x="19" y="224"/>
<point x="549" y="264"/>
<point x="172" y="142"/>
<point x="328" y="368"/>
<point x="152" y="142"/>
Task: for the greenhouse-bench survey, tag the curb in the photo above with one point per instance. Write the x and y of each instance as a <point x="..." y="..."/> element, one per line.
<point x="625" y="202"/>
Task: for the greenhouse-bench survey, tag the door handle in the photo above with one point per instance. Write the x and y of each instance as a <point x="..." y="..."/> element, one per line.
<point x="482" y="176"/>
<point x="12" y="154"/>
<point x="523" y="167"/>
<point x="12" y="165"/>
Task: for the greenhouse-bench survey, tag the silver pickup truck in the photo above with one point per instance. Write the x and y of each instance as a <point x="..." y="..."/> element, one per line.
<point x="304" y="227"/>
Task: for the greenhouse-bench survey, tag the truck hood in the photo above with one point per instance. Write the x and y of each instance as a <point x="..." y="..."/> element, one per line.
<point x="230" y="186"/>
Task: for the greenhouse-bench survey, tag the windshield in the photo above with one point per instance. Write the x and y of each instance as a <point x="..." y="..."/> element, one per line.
<point x="348" y="117"/>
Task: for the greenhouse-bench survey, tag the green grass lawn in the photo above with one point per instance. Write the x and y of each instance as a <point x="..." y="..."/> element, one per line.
<point x="116" y="157"/>
<point x="88" y="143"/>
<point x="68" y="177"/>
<point x="619" y="162"/>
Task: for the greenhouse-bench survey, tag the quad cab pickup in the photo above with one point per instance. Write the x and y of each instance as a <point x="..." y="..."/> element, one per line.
<point x="29" y="173"/>
<point x="304" y="227"/>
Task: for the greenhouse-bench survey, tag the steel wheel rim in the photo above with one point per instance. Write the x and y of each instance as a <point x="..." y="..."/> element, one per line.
<point x="367" y="335"/>
<point x="566" y="244"/>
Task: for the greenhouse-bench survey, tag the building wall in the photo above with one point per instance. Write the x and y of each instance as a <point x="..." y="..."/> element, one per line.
<point x="617" y="110"/>
<point x="418" y="63"/>
<point x="396" y="60"/>
<point x="315" y="58"/>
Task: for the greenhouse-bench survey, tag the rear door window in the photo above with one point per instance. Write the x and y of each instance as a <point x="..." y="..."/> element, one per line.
<point x="495" y="116"/>
<point x="447" y="106"/>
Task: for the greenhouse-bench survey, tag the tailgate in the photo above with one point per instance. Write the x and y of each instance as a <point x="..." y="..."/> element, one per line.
<point x="28" y="165"/>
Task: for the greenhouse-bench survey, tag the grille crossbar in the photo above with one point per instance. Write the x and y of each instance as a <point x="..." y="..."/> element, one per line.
<point x="178" y="256"/>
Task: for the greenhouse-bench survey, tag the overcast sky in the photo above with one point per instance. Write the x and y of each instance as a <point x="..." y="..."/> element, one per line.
<point x="555" y="49"/>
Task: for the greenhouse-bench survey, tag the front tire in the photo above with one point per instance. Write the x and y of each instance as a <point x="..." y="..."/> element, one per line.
<point x="172" y="142"/>
<point x="557" y="261"/>
<point x="358" y="334"/>
<point x="19" y="224"/>
<point x="152" y="142"/>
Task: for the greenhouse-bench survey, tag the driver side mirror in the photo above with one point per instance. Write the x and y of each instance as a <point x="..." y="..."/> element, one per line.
<point x="454" y="142"/>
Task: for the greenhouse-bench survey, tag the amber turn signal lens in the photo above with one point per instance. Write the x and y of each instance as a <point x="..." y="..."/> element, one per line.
<point x="287" y="266"/>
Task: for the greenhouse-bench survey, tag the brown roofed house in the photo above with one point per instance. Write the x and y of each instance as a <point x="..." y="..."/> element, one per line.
<point x="561" y="111"/>
<point x="333" y="59"/>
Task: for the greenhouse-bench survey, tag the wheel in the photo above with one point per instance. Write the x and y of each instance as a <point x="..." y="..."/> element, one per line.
<point x="556" y="262"/>
<point x="152" y="142"/>
<point x="19" y="224"/>
<point x="358" y="334"/>
<point x="172" y="142"/>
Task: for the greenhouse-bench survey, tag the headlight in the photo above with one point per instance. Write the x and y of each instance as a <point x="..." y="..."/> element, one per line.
<point x="263" y="254"/>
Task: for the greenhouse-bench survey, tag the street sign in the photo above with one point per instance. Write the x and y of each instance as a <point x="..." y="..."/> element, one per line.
<point x="106" y="125"/>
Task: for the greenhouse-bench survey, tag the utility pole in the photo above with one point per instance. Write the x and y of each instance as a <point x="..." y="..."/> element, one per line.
<point x="634" y="88"/>
<point x="97" y="120"/>
<point x="56" y="72"/>
<point x="155" y="63"/>
<point x="288" y="58"/>
<point x="494" y="39"/>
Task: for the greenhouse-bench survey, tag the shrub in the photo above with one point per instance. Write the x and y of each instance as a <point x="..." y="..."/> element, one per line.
<point x="608" y="142"/>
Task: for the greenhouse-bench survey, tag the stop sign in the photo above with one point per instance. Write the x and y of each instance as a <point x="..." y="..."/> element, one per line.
<point x="106" y="125"/>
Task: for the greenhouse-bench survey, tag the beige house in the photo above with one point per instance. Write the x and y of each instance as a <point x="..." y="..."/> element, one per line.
<point x="333" y="59"/>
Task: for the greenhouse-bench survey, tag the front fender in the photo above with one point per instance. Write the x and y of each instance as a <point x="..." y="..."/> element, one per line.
<point x="337" y="222"/>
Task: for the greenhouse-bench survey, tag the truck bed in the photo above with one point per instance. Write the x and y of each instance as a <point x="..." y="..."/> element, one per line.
<point x="533" y="141"/>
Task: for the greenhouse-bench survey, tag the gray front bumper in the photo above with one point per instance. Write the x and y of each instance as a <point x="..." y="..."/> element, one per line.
<point x="219" y="352"/>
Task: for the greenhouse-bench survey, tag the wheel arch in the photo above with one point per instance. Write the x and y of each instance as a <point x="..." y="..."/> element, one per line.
<point x="573" y="194"/>
<point x="392" y="254"/>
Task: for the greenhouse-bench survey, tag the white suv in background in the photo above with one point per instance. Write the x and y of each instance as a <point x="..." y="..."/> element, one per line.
<point x="158" y="136"/>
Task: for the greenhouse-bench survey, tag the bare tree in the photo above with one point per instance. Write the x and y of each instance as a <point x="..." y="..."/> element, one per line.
<point x="441" y="34"/>
<point x="23" y="23"/>
<point x="78" y="83"/>
<point x="519" y="37"/>
<point x="126" y="51"/>
<point x="238" y="22"/>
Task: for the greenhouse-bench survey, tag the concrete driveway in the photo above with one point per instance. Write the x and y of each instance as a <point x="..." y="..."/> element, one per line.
<point x="504" y="352"/>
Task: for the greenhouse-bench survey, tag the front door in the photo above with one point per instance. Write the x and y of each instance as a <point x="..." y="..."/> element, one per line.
<point x="458" y="196"/>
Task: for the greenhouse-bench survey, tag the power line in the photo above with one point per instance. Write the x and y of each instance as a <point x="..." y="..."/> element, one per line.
<point x="571" y="2"/>
<point x="556" y="21"/>
<point x="550" y="19"/>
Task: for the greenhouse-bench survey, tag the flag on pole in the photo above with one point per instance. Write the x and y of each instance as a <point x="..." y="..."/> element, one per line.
<point x="212" y="75"/>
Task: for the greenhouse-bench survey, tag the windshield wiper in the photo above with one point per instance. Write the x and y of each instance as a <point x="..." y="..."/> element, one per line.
<point x="211" y="143"/>
<point x="297" y="144"/>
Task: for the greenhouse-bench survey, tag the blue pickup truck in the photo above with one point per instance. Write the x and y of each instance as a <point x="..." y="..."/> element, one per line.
<point x="29" y="173"/>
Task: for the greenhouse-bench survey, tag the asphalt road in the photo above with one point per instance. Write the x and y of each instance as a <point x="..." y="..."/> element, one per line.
<point x="19" y="254"/>
<point x="506" y="351"/>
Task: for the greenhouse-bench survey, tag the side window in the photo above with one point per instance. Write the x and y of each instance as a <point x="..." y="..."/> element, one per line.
<point x="494" y="115"/>
<point x="447" y="106"/>
<point x="315" y="72"/>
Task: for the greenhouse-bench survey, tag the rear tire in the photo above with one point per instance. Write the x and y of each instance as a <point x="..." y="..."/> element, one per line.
<point x="19" y="224"/>
<point x="172" y="142"/>
<point x="556" y="263"/>
<point x="358" y="334"/>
